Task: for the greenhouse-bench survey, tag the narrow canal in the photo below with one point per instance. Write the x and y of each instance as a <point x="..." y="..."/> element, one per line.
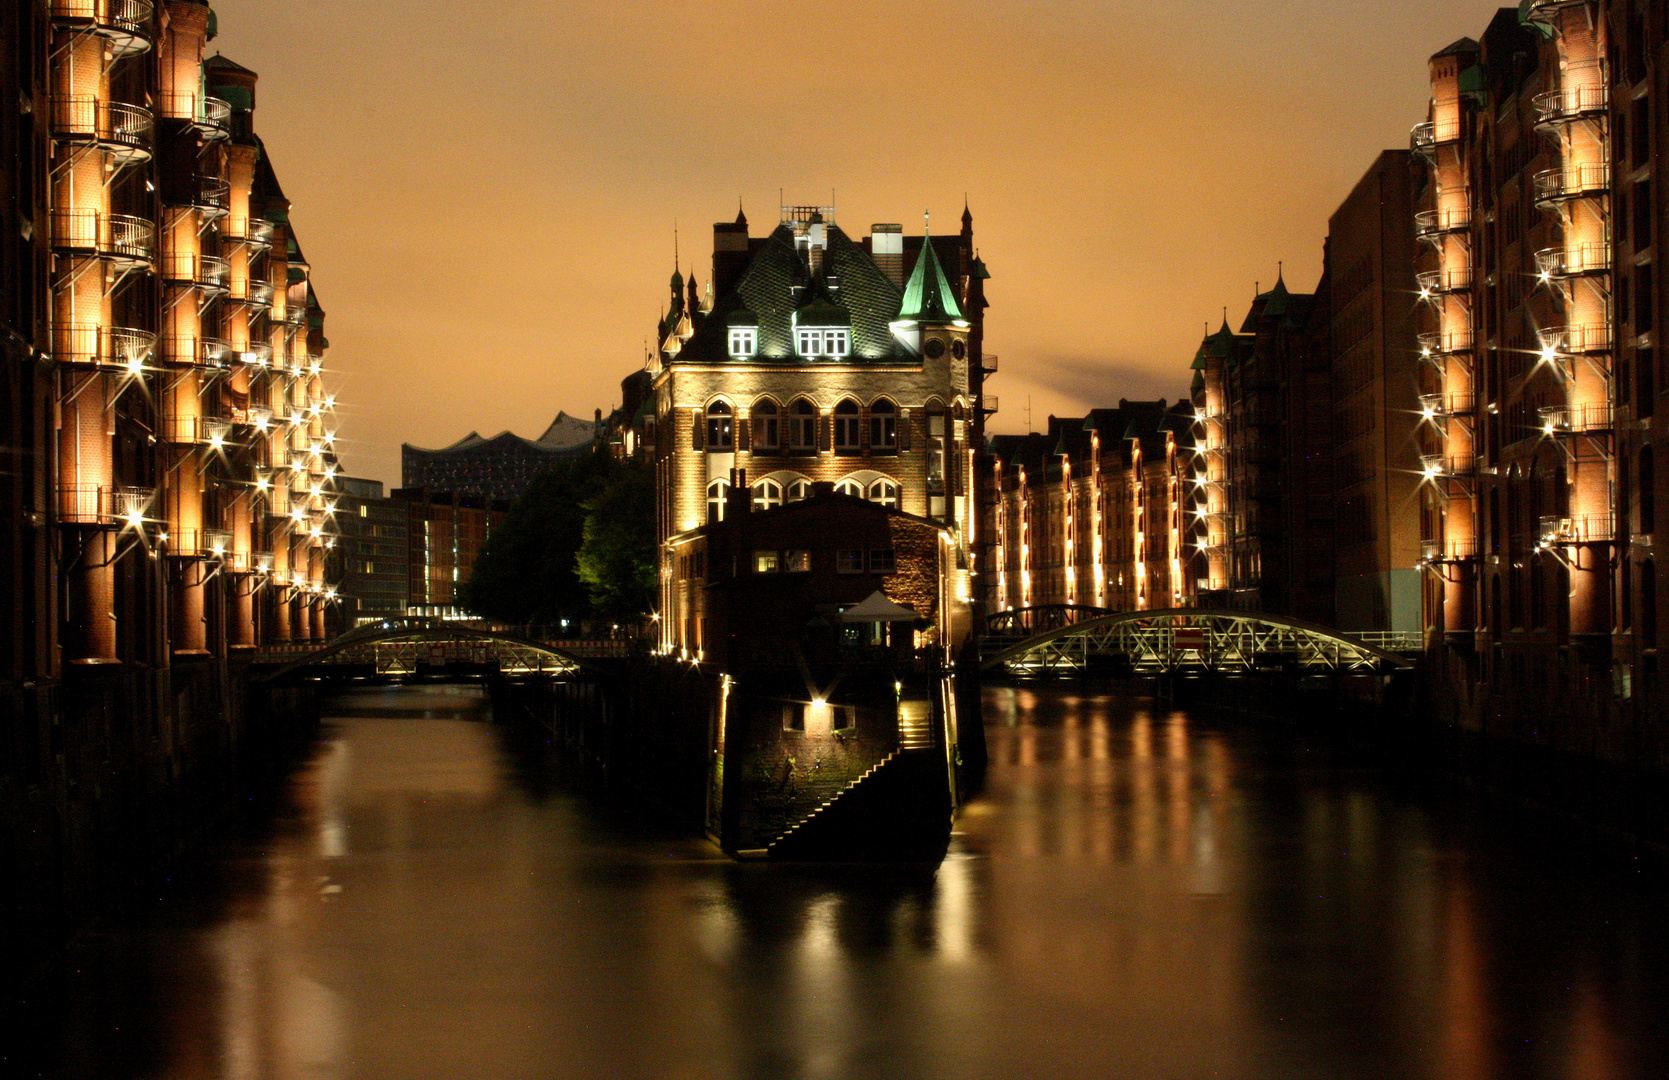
<point x="1140" y="893"/>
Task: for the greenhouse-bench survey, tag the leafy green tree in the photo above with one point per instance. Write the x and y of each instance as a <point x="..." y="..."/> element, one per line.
<point x="616" y="559"/>
<point x="526" y="573"/>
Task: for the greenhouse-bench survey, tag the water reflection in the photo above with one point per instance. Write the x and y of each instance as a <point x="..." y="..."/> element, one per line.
<point x="1140" y="894"/>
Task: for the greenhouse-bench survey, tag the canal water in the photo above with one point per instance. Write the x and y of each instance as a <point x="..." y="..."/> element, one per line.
<point x="1139" y="893"/>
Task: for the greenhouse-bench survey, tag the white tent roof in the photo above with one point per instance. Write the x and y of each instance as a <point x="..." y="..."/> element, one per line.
<point x="877" y="608"/>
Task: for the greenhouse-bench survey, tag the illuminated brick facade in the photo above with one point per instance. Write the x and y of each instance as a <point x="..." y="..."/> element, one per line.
<point x="1094" y="512"/>
<point x="1541" y="221"/>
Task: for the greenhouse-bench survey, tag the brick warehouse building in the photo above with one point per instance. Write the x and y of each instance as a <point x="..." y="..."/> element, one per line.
<point x="1541" y="220"/>
<point x="167" y="433"/>
<point x="813" y="357"/>
<point x="1095" y="511"/>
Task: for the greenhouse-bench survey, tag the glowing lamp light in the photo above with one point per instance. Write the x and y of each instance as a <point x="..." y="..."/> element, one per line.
<point x="135" y="366"/>
<point x="1549" y="353"/>
<point x="1547" y="427"/>
<point x="296" y="514"/>
<point x="134" y="519"/>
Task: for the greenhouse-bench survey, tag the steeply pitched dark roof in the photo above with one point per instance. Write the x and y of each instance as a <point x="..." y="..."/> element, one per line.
<point x="927" y="295"/>
<point x="767" y="288"/>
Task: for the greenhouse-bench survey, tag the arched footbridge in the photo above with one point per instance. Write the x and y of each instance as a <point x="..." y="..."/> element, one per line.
<point x="1200" y="640"/>
<point x="405" y="648"/>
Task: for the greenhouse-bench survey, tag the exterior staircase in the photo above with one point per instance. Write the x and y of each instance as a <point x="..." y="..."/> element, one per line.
<point x="897" y="811"/>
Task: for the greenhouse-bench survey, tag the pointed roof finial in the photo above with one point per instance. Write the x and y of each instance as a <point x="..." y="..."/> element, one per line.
<point x="926" y="221"/>
<point x="741" y="218"/>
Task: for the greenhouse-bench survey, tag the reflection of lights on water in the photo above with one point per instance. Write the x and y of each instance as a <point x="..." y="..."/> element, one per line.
<point x="818" y="941"/>
<point x="953" y="914"/>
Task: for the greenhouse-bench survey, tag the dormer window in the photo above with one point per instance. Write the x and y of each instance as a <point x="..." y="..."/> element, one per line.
<point x="744" y="341"/>
<point x="817" y="341"/>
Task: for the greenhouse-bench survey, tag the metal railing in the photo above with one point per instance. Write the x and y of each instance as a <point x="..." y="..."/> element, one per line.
<point x="99" y="504"/>
<point x="1447" y="280"/>
<point x="1441" y="551"/>
<point x="1437" y="466"/>
<point x="1428" y="135"/>
<point x="212" y="195"/>
<point x="1452" y="404"/>
<point x="127" y="131"/>
<point x="106" y="346"/>
<point x="252" y="291"/>
<point x="1575" y="340"/>
<point x="206" y="272"/>
<point x="988" y="363"/>
<point x="1445" y="342"/>
<point x="1570" y="103"/>
<point x="1573" y="259"/>
<point x="1389" y="640"/>
<point x="211" y="116"/>
<point x="1546" y="11"/>
<point x="293" y="315"/>
<point x="204" y="352"/>
<point x="256" y="354"/>
<point x="1588" y="418"/>
<point x="988" y="403"/>
<point x="121" y="238"/>
<point x="194" y="430"/>
<point x="1430" y="224"/>
<point x="126" y="24"/>
<point x="1578" y="529"/>
<point x="256" y="232"/>
<point x="1573" y="181"/>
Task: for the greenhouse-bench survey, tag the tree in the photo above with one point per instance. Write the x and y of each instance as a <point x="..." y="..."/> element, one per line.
<point x="616" y="559"/>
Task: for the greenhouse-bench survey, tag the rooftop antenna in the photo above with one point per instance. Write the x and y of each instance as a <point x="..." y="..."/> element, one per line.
<point x="1028" y="414"/>
<point x="675" y="259"/>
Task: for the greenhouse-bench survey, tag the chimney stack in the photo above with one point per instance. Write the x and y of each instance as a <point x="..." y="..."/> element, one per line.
<point x="886" y="247"/>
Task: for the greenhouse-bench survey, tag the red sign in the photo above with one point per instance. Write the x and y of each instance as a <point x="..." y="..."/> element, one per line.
<point x="1188" y="637"/>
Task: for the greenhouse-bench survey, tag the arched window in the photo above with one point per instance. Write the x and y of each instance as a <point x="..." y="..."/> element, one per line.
<point x="767" y="494"/>
<point x="802" y="427"/>
<point x="851" y="487"/>
<point x="799" y="489"/>
<point x="846" y="424"/>
<point x="884" y="492"/>
<point x="716" y="492"/>
<point x="767" y="431"/>
<point x="883" y="427"/>
<point x="721" y="428"/>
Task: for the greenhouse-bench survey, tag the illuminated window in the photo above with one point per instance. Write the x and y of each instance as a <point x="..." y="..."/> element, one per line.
<point x="850" y="487"/>
<point x="766" y="562"/>
<point x="797" y="561"/>
<point x="767" y="494"/>
<point x="885" y="493"/>
<point x="883" y="427"/>
<point x="802" y="427"/>
<point x="846" y="425"/>
<point x="721" y="429"/>
<point x="715" y="500"/>
<point x="819" y="341"/>
<point x="799" y="489"/>
<point x="744" y="341"/>
<point x="767" y="432"/>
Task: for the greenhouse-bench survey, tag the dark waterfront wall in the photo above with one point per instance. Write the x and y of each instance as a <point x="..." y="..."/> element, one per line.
<point x="118" y="771"/>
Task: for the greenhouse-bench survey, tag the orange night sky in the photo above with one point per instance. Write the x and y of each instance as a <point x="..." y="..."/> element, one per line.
<point x="487" y="193"/>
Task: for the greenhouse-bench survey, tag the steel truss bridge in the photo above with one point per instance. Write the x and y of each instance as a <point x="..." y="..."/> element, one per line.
<point x="1181" y="640"/>
<point x="405" y="648"/>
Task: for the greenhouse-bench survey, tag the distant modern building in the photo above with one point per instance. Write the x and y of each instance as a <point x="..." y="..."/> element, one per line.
<point x="373" y="547"/>
<point x="500" y="467"/>
<point x="445" y="532"/>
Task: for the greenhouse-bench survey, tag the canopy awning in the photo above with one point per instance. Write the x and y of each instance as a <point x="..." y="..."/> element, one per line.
<point x="877" y="608"/>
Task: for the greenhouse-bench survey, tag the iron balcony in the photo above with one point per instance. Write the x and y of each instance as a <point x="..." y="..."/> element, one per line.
<point x="127" y="132"/>
<point x="126" y="241"/>
<point x="1580" y="181"/>
<point x="125" y="24"/>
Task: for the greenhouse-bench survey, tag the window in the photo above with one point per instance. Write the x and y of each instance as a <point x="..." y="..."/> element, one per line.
<point x="815" y="341"/>
<point x="744" y="341"/>
<point x="842" y="717"/>
<point x="766" y="562"/>
<point x="799" y="489"/>
<point x="767" y="494"/>
<point x="885" y="493"/>
<point x="882" y="561"/>
<point x="715" y="500"/>
<point x="802" y="427"/>
<point x="793" y="717"/>
<point x="850" y="487"/>
<point x="936" y="507"/>
<point x="721" y="430"/>
<point x="767" y="433"/>
<point x="883" y="427"/>
<point x="849" y="561"/>
<point x="797" y="561"/>
<point x="846" y="424"/>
